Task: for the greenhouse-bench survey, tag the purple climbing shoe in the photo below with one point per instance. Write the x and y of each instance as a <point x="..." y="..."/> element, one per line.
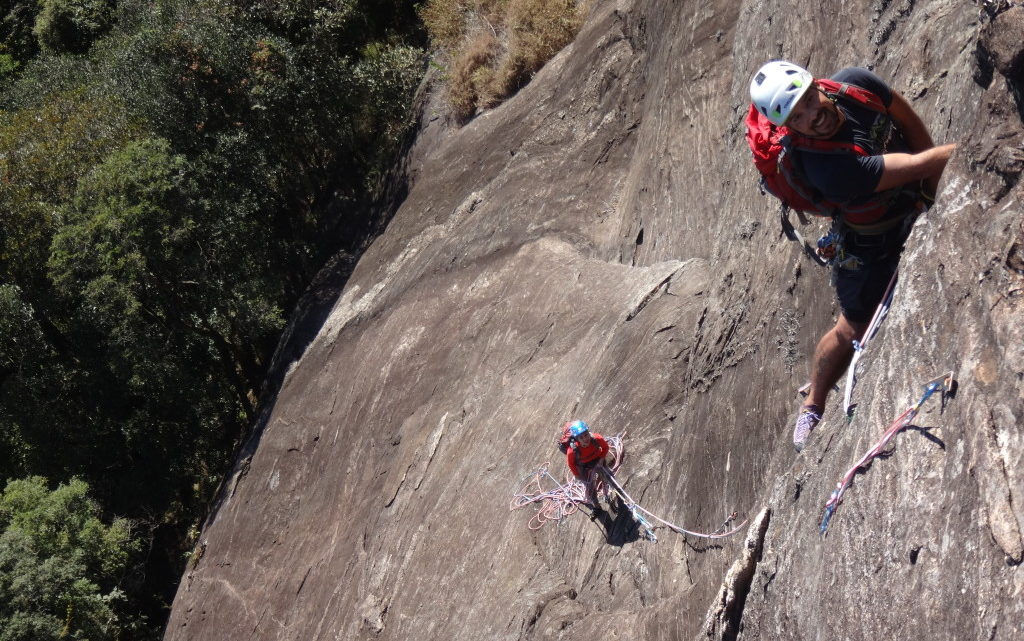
<point x="806" y="421"/>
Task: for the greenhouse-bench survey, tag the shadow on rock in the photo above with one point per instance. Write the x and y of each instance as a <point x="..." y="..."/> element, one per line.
<point x="926" y="432"/>
<point x="619" y="526"/>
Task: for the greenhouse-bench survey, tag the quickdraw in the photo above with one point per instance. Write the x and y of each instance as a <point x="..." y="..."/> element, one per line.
<point x="944" y="384"/>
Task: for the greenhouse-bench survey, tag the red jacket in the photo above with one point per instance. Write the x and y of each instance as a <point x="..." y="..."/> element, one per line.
<point x="597" y="450"/>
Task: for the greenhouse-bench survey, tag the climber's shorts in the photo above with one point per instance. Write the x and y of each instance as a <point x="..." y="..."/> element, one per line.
<point x="861" y="290"/>
<point x="861" y="286"/>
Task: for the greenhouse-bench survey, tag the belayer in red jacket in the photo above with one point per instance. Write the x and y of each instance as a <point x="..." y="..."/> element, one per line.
<point x="586" y="458"/>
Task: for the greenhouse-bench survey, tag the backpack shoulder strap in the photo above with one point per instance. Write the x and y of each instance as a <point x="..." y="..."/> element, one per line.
<point x="853" y="93"/>
<point x="793" y="140"/>
<point x="796" y="141"/>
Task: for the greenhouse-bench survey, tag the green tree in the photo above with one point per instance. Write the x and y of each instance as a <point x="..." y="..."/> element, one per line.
<point x="24" y="363"/>
<point x="166" y="196"/>
<point x="154" y="264"/>
<point x="61" y="567"/>
<point x="17" y="42"/>
<point x="71" y="26"/>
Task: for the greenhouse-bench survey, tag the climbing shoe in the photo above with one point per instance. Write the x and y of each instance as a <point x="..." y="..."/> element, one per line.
<point x="806" y="421"/>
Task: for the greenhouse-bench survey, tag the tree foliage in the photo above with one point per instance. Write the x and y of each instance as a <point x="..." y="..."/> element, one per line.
<point x="17" y="42"/>
<point x="173" y="173"/>
<point x="61" y="568"/>
<point x="71" y="25"/>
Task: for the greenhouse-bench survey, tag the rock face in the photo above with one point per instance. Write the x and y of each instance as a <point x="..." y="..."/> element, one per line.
<point x="597" y="248"/>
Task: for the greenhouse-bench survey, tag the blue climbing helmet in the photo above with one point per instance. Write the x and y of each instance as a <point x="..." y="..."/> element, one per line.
<point x="578" y="427"/>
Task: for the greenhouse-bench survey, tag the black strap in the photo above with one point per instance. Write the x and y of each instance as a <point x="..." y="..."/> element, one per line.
<point x="794" y="235"/>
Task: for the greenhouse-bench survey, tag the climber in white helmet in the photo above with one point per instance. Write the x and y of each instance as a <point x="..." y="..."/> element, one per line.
<point x="860" y="145"/>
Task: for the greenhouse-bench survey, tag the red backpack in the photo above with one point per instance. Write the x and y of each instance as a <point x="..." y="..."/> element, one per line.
<point x="773" y="148"/>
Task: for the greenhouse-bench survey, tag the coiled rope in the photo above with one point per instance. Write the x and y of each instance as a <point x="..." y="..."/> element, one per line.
<point x="565" y="498"/>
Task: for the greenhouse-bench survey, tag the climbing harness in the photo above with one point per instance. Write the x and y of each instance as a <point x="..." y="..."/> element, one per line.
<point x="944" y="384"/>
<point x="565" y="499"/>
<point x="859" y="346"/>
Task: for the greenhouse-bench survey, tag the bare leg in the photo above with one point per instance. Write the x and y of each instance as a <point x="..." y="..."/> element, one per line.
<point x="831" y="358"/>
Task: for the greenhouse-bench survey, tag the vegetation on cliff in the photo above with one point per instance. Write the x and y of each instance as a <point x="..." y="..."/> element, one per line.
<point x="172" y="175"/>
<point x="491" y="48"/>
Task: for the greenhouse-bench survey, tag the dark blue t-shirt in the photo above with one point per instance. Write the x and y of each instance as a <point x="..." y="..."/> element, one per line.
<point x="850" y="178"/>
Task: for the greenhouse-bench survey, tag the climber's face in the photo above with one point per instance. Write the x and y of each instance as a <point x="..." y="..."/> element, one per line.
<point x="815" y="115"/>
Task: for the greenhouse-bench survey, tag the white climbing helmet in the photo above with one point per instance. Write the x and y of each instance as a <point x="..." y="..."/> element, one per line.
<point x="776" y="88"/>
